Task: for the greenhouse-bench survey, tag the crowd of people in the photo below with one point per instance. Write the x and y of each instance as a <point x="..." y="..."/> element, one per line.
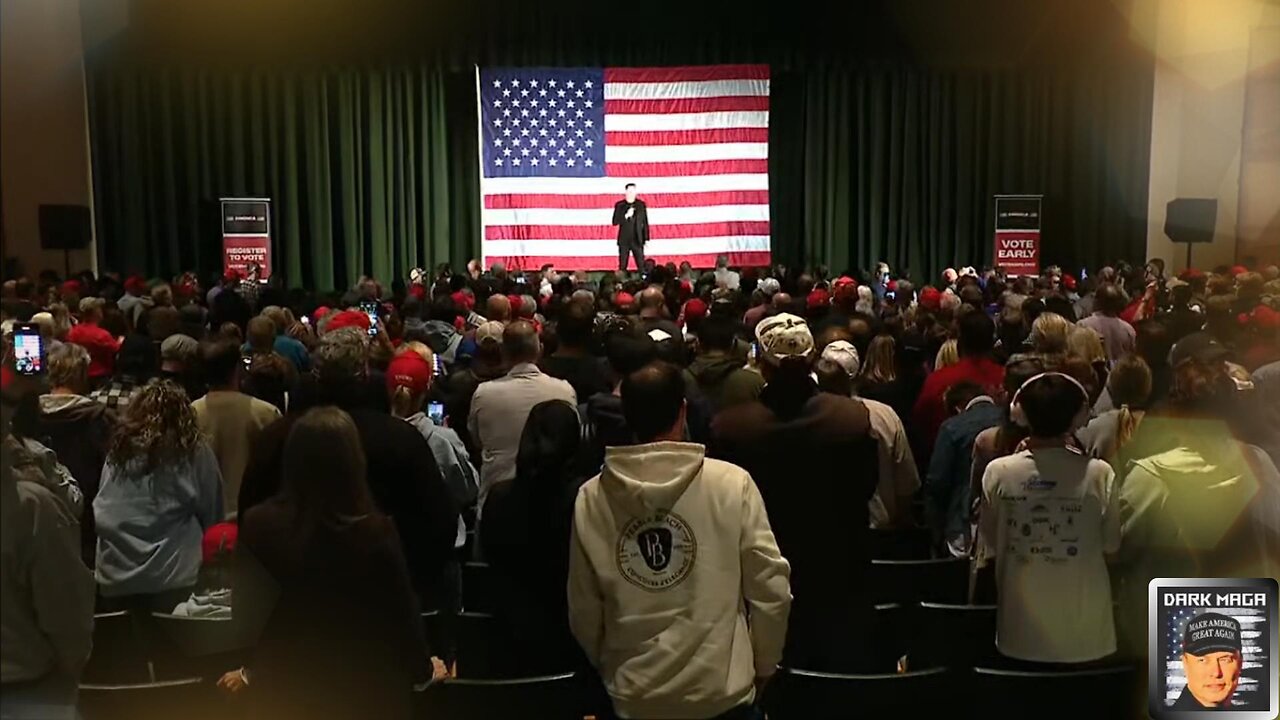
<point x="674" y="477"/>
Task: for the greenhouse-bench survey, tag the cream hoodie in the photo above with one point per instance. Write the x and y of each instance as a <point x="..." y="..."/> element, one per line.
<point x="677" y="590"/>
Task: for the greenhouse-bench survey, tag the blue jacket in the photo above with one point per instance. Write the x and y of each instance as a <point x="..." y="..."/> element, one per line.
<point x="946" y="486"/>
<point x="291" y="349"/>
<point x="459" y="474"/>
<point x="151" y="522"/>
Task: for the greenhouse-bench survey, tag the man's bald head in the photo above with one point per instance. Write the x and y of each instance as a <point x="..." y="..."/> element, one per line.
<point x="781" y="301"/>
<point x="497" y="307"/>
<point x="651" y="300"/>
<point x="520" y="342"/>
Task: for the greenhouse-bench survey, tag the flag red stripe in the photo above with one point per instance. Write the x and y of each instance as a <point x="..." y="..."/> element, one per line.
<point x="686" y="137"/>
<point x="677" y="169"/>
<point x="653" y="200"/>
<point x="687" y="105"/>
<point x="520" y="263"/>
<point x="609" y="232"/>
<point x="686" y="74"/>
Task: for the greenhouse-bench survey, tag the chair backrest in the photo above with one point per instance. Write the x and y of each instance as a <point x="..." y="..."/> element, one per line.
<point x="437" y="634"/>
<point x="888" y="639"/>
<point x="900" y="544"/>
<point x="195" y="647"/>
<point x="478" y="593"/>
<point x="551" y="697"/>
<point x="188" y="698"/>
<point x="483" y="647"/>
<point x="956" y="636"/>
<point x="909" y="581"/>
<point x="119" y="651"/>
<point x="1096" y="692"/>
<point x="807" y="694"/>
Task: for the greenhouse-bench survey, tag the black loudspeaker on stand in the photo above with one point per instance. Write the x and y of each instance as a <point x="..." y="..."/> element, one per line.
<point x="65" y="228"/>
<point x="1191" y="221"/>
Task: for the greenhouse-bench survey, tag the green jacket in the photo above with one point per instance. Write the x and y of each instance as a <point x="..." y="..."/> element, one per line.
<point x="724" y="380"/>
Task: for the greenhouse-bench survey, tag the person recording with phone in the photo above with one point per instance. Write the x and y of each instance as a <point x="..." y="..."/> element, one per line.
<point x="409" y="378"/>
<point x="632" y="218"/>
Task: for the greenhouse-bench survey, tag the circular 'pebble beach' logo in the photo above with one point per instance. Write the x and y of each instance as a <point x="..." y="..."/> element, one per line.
<point x="656" y="552"/>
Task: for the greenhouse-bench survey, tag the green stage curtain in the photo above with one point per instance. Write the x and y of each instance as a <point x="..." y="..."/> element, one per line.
<point x="373" y="169"/>
<point x="360" y="165"/>
<point x="902" y="165"/>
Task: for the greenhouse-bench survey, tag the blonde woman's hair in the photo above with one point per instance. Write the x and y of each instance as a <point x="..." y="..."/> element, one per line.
<point x="1049" y="334"/>
<point x="881" y="364"/>
<point x="403" y="402"/>
<point x="1130" y="387"/>
<point x="69" y="367"/>
<point x="1086" y="344"/>
<point x="61" y="320"/>
<point x="948" y="355"/>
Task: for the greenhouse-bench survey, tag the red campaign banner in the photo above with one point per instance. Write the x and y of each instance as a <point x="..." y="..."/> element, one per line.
<point x="240" y="250"/>
<point x="1018" y="251"/>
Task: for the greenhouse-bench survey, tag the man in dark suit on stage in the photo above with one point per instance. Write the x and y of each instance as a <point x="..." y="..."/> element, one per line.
<point x="633" y="228"/>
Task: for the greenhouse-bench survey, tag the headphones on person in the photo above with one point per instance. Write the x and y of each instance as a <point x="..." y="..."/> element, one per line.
<point x="1019" y="416"/>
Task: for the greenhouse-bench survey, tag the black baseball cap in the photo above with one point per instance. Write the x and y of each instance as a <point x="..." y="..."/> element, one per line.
<point x="1199" y="345"/>
<point x="1211" y="632"/>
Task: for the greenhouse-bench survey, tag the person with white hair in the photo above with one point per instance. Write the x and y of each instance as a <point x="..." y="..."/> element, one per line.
<point x="949" y="301"/>
<point x="898" y="476"/>
<point x="48" y="329"/>
<point x="866" y="300"/>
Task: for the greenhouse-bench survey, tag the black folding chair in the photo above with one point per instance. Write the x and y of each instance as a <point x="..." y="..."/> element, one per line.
<point x="483" y="647"/>
<point x="437" y="626"/>
<point x="900" y="544"/>
<point x="890" y="637"/>
<point x="805" y="694"/>
<point x="189" y="698"/>
<point x="956" y="636"/>
<point x="943" y="580"/>
<point x="551" y="697"/>
<point x="184" y="647"/>
<point x="1110" y="692"/>
<point x="119" y="651"/>
<point x="478" y="594"/>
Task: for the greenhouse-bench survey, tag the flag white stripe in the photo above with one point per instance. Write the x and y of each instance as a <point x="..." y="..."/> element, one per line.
<point x="603" y="216"/>
<point x="686" y="153"/>
<point x="609" y="248"/>
<point x="687" y="121"/>
<point x="604" y="185"/>
<point x="687" y="89"/>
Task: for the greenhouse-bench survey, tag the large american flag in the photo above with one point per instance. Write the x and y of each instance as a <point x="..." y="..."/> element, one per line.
<point x="558" y="145"/>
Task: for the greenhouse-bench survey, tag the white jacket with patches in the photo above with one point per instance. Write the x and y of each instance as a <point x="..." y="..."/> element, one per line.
<point x="677" y="591"/>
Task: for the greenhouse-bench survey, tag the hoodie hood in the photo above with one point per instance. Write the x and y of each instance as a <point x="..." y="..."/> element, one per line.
<point x="69" y="408"/>
<point x="31" y="461"/>
<point x="714" y="368"/>
<point x="643" y="479"/>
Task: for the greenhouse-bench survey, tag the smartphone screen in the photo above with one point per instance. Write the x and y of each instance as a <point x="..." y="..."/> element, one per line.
<point x="371" y="309"/>
<point x="28" y="349"/>
<point x="437" y="366"/>
<point x="435" y="411"/>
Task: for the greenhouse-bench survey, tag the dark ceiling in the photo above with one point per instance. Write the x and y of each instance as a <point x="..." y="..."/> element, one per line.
<point x="960" y="34"/>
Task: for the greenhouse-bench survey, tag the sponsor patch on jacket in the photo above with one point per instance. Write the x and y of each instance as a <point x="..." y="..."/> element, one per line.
<point x="656" y="552"/>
